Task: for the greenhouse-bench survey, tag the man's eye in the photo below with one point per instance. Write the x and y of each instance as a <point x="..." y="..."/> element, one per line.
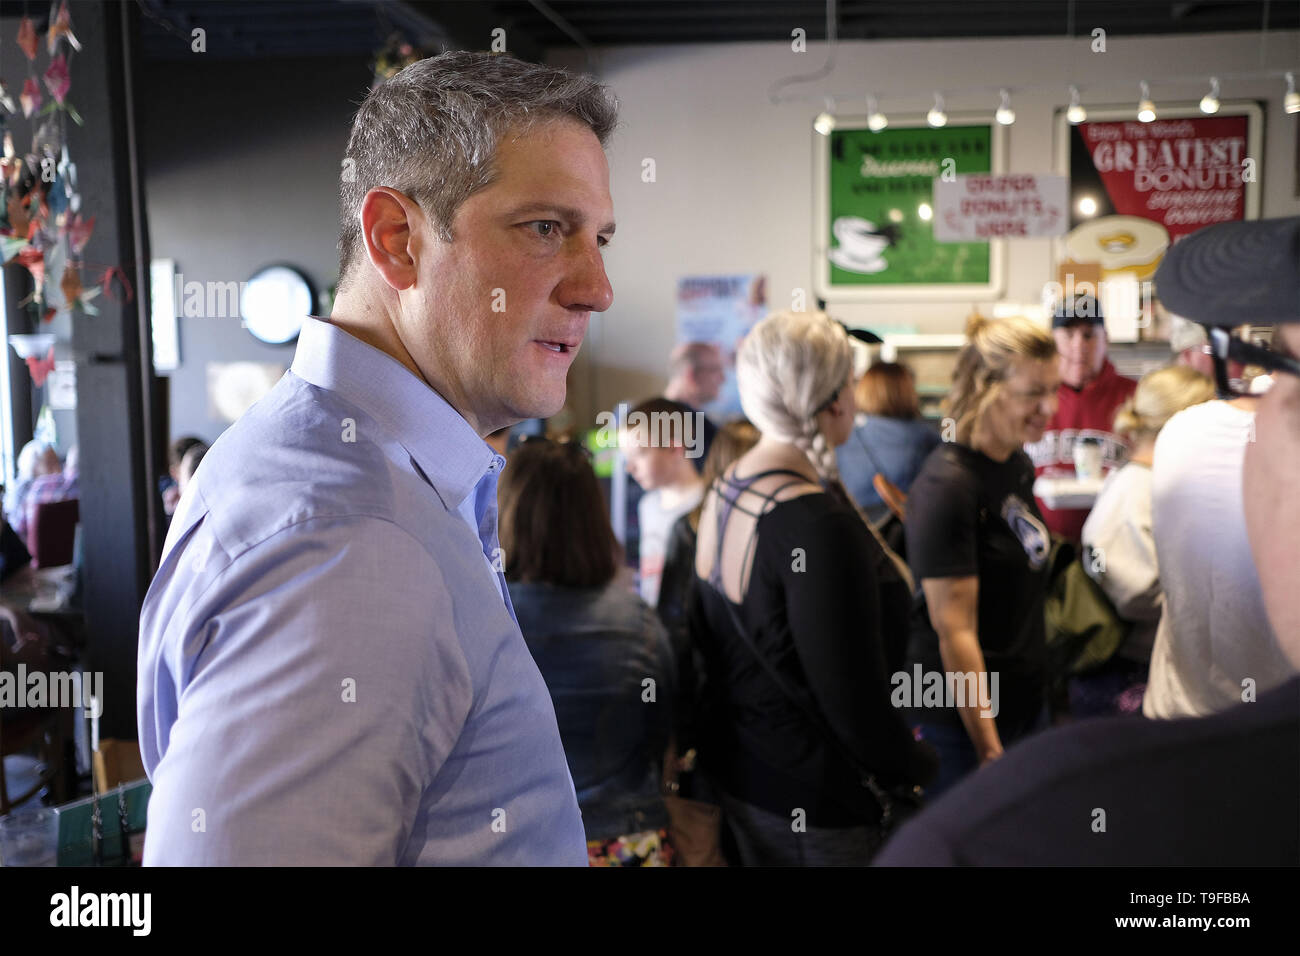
<point x="546" y="227"/>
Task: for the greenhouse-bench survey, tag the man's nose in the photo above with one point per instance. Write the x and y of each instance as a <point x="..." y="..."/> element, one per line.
<point x="586" y="286"/>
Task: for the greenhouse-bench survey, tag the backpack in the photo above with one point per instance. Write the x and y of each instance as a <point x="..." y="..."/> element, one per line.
<point x="1083" y="629"/>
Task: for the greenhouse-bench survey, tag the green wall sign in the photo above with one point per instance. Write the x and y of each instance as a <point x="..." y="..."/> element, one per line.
<point x="881" y="205"/>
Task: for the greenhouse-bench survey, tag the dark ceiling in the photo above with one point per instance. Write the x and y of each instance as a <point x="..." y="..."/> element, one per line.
<point x="256" y="28"/>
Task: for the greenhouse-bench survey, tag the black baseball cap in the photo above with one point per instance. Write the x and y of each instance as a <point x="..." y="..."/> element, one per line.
<point x="1081" y="308"/>
<point x="1234" y="273"/>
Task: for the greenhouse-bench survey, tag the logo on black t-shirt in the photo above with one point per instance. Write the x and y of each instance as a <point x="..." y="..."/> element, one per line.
<point x="1031" y="532"/>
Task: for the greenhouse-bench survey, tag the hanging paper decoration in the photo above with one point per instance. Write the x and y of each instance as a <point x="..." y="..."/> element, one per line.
<point x="61" y="26"/>
<point x="41" y="367"/>
<point x="106" y="283"/>
<point x="70" y="284"/>
<point x="27" y="37"/>
<point x="79" y="232"/>
<point x="41" y="227"/>
<point x="30" y="97"/>
<point x="10" y="246"/>
<point x="57" y="80"/>
<point x="33" y="260"/>
<point x="45" y="429"/>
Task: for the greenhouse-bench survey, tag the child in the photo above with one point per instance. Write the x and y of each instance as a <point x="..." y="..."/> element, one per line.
<point x="659" y="441"/>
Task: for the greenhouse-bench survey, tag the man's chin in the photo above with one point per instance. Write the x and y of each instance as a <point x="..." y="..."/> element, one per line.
<point x="542" y="406"/>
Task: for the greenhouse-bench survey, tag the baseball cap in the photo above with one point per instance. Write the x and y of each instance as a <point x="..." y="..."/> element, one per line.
<point x="1081" y="308"/>
<point x="1235" y="273"/>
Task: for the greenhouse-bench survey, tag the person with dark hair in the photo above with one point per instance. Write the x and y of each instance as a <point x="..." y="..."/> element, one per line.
<point x="732" y="441"/>
<point x="1216" y="791"/>
<point x="660" y="440"/>
<point x="169" y="486"/>
<point x="329" y="663"/>
<point x="889" y="436"/>
<point x="189" y="465"/>
<point x="604" y="655"/>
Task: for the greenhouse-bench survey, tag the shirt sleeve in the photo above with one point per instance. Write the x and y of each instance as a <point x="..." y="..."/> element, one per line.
<point x="834" y="614"/>
<point x="320" y="685"/>
<point x="942" y="524"/>
<point x="1123" y="555"/>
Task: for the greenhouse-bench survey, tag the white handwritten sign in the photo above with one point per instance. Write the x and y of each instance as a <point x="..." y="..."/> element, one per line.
<point x="1010" y="206"/>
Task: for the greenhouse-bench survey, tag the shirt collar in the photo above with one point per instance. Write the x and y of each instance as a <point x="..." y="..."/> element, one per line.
<point x="443" y="447"/>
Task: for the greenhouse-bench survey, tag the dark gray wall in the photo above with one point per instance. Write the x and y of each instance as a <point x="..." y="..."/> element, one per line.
<point x="241" y="163"/>
<point x="118" y="516"/>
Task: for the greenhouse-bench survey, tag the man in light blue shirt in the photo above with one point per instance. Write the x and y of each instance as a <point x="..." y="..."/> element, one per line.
<point x="330" y="670"/>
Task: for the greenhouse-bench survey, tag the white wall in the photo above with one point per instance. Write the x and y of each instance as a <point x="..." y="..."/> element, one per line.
<point x="734" y="172"/>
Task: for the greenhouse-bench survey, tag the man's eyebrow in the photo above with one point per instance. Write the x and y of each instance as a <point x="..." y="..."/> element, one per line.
<point x="567" y="212"/>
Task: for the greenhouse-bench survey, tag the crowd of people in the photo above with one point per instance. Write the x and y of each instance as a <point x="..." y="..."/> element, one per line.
<point x="837" y="615"/>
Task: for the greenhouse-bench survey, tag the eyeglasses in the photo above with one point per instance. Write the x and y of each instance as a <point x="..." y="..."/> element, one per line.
<point x="1226" y="347"/>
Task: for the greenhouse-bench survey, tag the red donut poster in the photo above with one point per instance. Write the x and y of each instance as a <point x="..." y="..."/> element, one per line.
<point x="1183" y="172"/>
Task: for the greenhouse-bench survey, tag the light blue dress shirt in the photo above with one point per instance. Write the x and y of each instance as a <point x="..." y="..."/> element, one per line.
<point x="330" y="670"/>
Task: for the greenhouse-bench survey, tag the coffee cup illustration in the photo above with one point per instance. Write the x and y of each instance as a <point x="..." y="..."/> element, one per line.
<point x="860" y="245"/>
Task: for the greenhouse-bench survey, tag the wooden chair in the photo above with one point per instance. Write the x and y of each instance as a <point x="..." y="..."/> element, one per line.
<point x="893" y="496"/>
<point x="52" y="532"/>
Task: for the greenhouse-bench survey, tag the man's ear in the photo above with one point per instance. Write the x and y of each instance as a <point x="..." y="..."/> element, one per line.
<point x="390" y="224"/>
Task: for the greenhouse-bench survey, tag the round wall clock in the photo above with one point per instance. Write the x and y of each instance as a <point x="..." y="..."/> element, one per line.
<point x="275" y="302"/>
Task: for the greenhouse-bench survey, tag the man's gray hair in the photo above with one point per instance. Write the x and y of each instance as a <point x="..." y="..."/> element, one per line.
<point x="431" y="132"/>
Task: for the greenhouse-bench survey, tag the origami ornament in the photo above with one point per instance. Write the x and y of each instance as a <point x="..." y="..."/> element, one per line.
<point x="33" y="260"/>
<point x="6" y="100"/>
<point x="10" y="246"/>
<point x="27" y="37"/>
<point x="79" y="232"/>
<point x="41" y="367"/>
<point x="61" y="26"/>
<point x="44" y="239"/>
<point x="70" y="285"/>
<point x="57" y="80"/>
<point x="19" y="218"/>
<point x="30" y="97"/>
<point x="84" y="300"/>
<point x="106" y="285"/>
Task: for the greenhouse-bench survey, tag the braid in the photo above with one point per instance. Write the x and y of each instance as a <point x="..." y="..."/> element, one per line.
<point x="823" y="459"/>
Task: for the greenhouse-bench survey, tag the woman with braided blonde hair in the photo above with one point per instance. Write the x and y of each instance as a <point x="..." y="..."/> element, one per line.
<point x="799" y="613"/>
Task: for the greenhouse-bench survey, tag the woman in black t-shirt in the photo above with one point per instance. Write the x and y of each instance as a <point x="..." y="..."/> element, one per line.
<point x="800" y="616"/>
<point x="978" y="548"/>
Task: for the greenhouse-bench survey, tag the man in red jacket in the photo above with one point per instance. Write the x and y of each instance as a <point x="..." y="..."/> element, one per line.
<point x="1091" y="392"/>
